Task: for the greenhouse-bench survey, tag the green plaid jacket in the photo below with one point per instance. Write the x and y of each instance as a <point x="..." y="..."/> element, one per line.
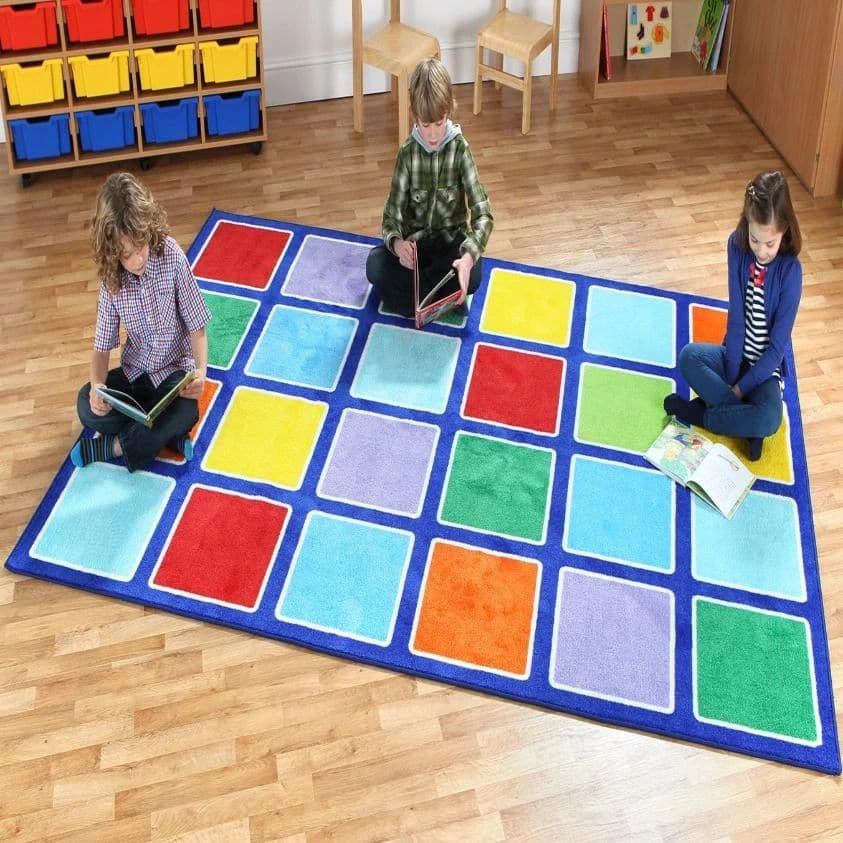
<point x="440" y="191"/>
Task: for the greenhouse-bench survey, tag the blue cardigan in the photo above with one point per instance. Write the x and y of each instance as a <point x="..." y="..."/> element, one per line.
<point x="782" y="291"/>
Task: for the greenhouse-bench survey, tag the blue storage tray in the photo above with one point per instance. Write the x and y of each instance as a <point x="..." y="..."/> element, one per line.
<point x="229" y="114"/>
<point x="169" y="122"/>
<point x="107" y="128"/>
<point x="41" y="137"/>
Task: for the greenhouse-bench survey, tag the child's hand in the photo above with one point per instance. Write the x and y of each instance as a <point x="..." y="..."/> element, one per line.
<point x="463" y="266"/>
<point x="194" y="388"/>
<point x="99" y="406"/>
<point x="405" y="250"/>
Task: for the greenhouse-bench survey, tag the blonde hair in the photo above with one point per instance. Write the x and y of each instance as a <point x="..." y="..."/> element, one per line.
<point x="431" y="92"/>
<point x="125" y="211"/>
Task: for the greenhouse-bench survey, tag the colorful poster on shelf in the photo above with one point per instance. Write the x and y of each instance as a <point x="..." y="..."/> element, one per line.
<point x="648" y="27"/>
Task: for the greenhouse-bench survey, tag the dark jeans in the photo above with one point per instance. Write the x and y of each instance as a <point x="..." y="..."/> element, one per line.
<point x="394" y="282"/>
<point x="759" y="414"/>
<point x="140" y="444"/>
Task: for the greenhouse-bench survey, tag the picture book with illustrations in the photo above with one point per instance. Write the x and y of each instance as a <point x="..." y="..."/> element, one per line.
<point x="714" y="61"/>
<point x="605" y="48"/>
<point x="434" y="299"/>
<point x="707" y="468"/>
<point x="126" y="404"/>
<point x="705" y="34"/>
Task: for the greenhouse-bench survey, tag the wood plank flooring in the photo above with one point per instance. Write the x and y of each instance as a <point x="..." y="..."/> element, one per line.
<point x="122" y="724"/>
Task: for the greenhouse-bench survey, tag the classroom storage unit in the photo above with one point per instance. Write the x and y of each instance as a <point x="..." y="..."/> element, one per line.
<point x="87" y="81"/>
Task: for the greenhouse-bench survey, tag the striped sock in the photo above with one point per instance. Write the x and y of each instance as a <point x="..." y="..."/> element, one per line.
<point x="184" y="445"/>
<point x="86" y="451"/>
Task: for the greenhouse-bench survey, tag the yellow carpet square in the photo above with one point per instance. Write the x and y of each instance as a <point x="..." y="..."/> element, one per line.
<point x="529" y="307"/>
<point x="267" y="437"/>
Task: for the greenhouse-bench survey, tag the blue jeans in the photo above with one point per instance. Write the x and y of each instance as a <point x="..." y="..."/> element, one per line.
<point x="140" y="444"/>
<point x="757" y="415"/>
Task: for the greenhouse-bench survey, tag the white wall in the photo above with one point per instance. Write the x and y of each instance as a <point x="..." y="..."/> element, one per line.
<point x="307" y="43"/>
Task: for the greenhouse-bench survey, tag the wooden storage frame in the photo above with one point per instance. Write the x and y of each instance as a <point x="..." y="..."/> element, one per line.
<point x="679" y="74"/>
<point x="130" y="41"/>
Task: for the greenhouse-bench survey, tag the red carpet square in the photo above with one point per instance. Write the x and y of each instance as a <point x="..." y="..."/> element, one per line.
<point x="516" y="389"/>
<point x="222" y="547"/>
<point x="246" y="255"/>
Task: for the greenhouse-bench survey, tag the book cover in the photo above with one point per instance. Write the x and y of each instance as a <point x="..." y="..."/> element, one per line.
<point x="605" y="48"/>
<point x="705" y="33"/>
<point x="129" y="406"/>
<point x="440" y="297"/>
<point x="648" y="27"/>
<point x="718" y="41"/>
<point x="709" y="469"/>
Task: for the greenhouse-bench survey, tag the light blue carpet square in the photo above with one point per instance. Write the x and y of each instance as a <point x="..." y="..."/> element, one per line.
<point x="757" y="550"/>
<point x="620" y="513"/>
<point x="104" y="520"/>
<point x="407" y="368"/>
<point x="631" y="326"/>
<point x="302" y="347"/>
<point x="346" y="577"/>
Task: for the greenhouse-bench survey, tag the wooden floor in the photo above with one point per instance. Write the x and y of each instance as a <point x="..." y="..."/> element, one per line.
<point x="123" y="724"/>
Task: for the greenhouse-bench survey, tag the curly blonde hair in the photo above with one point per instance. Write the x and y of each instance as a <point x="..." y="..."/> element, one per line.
<point x="125" y="210"/>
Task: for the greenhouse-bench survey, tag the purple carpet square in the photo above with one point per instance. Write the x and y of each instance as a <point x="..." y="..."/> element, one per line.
<point x="379" y="462"/>
<point x="330" y="270"/>
<point x="614" y="639"/>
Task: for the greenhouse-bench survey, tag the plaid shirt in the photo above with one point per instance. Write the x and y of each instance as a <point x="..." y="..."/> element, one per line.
<point x="159" y="310"/>
<point x="437" y="191"/>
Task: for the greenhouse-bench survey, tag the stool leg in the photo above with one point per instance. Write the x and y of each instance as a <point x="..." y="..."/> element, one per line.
<point x="358" y="95"/>
<point x="478" y="80"/>
<point x="403" y="107"/>
<point x="526" y="100"/>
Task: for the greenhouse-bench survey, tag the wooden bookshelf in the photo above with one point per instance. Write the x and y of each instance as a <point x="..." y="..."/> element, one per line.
<point x="680" y="73"/>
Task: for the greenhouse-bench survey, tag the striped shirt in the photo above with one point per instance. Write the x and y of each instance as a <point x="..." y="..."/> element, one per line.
<point x="158" y="310"/>
<point x="757" y="335"/>
<point x="438" y="191"/>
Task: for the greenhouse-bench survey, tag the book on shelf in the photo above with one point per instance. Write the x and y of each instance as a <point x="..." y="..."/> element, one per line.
<point x="705" y="33"/>
<point x="129" y="406"/>
<point x="714" y="61"/>
<point x="709" y="469"/>
<point x="434" y="294"/>
<point x="605" y="48"/>
<point x="648" y="27"/>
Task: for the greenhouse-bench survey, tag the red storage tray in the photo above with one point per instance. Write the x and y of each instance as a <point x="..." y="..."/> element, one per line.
<point x="155" y="17"/>
<point x="216" y="14"/>
<point x="28" y="27"/>
<point x="94" y="20"/>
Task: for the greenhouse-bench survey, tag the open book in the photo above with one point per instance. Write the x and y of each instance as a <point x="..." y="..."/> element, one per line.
<point x="443" y="296"/>
<point x="127" y="405"/>
<point x="707" y="468"/>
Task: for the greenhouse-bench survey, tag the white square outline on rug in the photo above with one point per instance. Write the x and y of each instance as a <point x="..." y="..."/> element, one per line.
<point x="597" y="289"/>
<point x="522" y="677"/>
<point x="168" y="484"/>
<point x="586" y="692"/>
<point x="250" y="479"/>
<point x="577" y="551"/>
<point x="698" y="598"/>
<point x="551" y="474"/>
<point x="203" y="418"/>
<point x="431" y="458"/>
<point x="697" y="504"/>
<point x="321" y="315"/>
<point x="550" y="279"/>
<point x="332" y="302"/>
<point x="670" y="386"/>
<point x="523" y="353"/>
<point x="245" y="333"/>
<point x="399" y="590"/>
<point x="177" y="520"/>
<point x="272" y="274"/>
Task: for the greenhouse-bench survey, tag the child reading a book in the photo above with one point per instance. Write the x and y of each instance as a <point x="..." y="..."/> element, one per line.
<point x="436" y="201"/>
<point x="147" y="286"/>
<point x="739" y="384"/>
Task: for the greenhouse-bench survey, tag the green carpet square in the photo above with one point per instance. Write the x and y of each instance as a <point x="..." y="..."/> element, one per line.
<point x="498" y="487"/>
<point x="753" y="670"/>
<point x="231" y="317"/>
<point x="619" y="408"/>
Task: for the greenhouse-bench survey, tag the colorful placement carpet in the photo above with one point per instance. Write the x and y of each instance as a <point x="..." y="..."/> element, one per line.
<point x="468" y="502"/>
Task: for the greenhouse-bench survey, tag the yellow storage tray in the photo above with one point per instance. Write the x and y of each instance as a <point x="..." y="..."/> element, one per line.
<point x="230" y="62"/>
<point x="160" y="69"/>
<point x="100" y="77"/>
<point x="34" y="84"/>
